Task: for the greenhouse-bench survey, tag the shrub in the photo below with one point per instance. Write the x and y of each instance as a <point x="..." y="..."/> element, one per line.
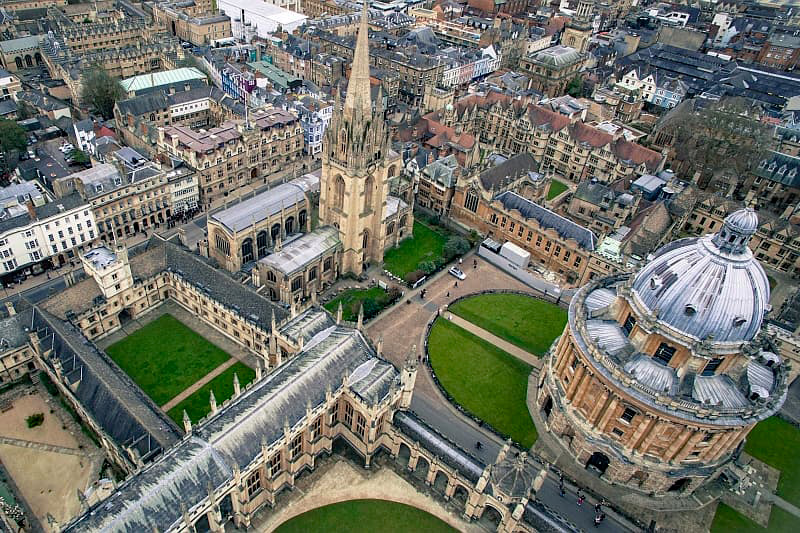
<point x="428" y="267"/>
<point x="414" y="276"/>
<point x="455" y="246"/>
<point x="394" y="293"/>
<point x="35" y="420"/>
<point x="474" y="237"/>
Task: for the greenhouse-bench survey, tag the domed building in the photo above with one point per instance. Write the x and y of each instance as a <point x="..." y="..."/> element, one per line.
<point x="660" y="375"/>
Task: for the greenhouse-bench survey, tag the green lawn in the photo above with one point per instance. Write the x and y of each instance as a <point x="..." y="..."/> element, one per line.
<point x="556" y="188"/>
<point x="365" y="515"/>
<point x="197" y="405"/>
<point x="374" y="299"/>
<point x="165" y="357"/>
<point x="522" y="320"/>
<point x="775" y="442"/>
<point x="426" y="245"/>
<point x="483" y="379"/>
<point x="728" y="520"/>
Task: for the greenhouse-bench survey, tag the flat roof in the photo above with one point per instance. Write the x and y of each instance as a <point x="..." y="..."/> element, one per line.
<point x="165" y="77"/>
<point x="298" y="253"/>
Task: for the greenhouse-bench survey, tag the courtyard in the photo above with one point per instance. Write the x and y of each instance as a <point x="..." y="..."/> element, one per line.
<point x="526" y="322"/>
<point x="374" y="300"/>
<point x="365" y="515"/>
<point x="483" y="379"/>
<point x="556" y="188"/>
<point x="50" y="463"/>
<point x="427" y="244"/>
<point x="165" y="357"/>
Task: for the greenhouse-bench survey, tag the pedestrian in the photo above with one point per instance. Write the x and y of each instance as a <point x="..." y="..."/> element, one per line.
<point x="448" y="294"/>
<point x="460" y="260"/>
<point x="581" y="498"/>
<point x="456" y="285"/>
<point x="597" y="508"/>
<point x="561" y="490"/>
<point x="597" y="519"/>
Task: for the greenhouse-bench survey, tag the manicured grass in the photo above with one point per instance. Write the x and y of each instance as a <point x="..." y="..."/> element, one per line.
<point x="483" y="379"/>
<point x="556" y="188"/>
<point x="426" y="245"/>
<point x="368" y="516"/>
<point x="165" y="357"/>
<point x="727" y="520"/>
<point x="374" y="300"/>
<point x="522" y="320"/>
<point x="197" y="405"/>
<point x="775" y="442"/>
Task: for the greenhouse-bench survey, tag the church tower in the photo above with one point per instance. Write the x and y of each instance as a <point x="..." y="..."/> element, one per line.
<point x="579" y="29"/>
<point x="357" y="162"/>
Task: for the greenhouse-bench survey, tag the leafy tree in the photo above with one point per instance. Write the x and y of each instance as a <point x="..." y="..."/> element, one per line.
<point x="101" y="91"/>
<point x="720" y="140"/>
<point x="428" y="267"/>
<point x="575" y="87"/>
<point x="456" y="246"/>
<point x="12" y="136"/>
<point x="80" y="157"/>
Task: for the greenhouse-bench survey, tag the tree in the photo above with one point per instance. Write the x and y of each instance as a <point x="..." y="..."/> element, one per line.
<point x="101" y="91"/>
<point x="723" y="140"/>
<point x="12" y="136"/>
<point x="79" y="157"/>
<point x="455" y="246"/>
<point x="575" y="87"/>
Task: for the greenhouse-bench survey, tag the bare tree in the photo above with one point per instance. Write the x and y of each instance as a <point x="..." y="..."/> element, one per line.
<point x="719" y="141"/>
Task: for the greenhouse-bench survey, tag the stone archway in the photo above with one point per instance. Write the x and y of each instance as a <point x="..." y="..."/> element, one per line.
<point x="440" y="482"/>
<point x="680" y="485"/>
<point x="421" y="469"/>
<point x="490" y="518"/>
<point x="403" y="455"/>
<point x="599" y="462"/>
<point x="460" y="496"/>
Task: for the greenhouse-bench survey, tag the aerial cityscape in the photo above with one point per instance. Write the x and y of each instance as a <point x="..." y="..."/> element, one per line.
<point x="399" y="266"/>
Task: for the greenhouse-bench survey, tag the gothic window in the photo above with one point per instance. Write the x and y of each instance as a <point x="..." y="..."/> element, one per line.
<point x="390" y="228"/>
<point x="312" y="274"/>
<point x="275" y="465"/>
<point x="247" y="250"/>
<point x="369" y="185"/>
<point x="297" y="283"/>
<point x="327" y="265"/>
<point x="390" y="172"/>
<point x="271" y="276"/>
<point x="289" y="225"/>
<point x="254" y="484"/>
<point x="360" y="425"/>
<point x="315" y="430"/>
<point x="403" y="221"/>
<point x="275" y="231"/>
<point x="222" y="244"/>
<point x="338" y="194"/>
<point x="261" y="244"/>
<point x="627" y="327"/>
<point x="301" y="220"/>
<point x="471" y="201"/>
<point x="296" y="447"/>
<point x="348" y="414"/>
<point x="342" y="142"/>
<point x="365" y="240"/>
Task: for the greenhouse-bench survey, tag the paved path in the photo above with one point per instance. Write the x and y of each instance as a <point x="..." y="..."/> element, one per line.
<point x="783" y="504"/>
<point x="504" y="345"/>
<point x="199" y="383"/>
<point x="41" y="446"/>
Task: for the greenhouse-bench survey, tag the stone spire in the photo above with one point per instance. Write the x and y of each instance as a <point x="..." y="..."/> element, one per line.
<point x="358" y="88"/>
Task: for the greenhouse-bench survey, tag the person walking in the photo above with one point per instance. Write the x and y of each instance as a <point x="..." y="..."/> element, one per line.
<point x="581" y="498"/>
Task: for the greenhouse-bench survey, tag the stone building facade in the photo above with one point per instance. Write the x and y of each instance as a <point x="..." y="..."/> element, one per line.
<point x="16" y="352"/>
<point x="660" y="375"/>
<point x="579" y="28"/>
<point x="552" y="69"/>
<point x="200" y="28"/>
<point x="236" y="153"/>
<point x="564" y="145"/>
<point x="250" y="230"/>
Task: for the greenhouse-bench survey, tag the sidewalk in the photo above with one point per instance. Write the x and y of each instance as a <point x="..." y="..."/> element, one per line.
<point x="504" y="345"/>
<point x="199" y="383"/>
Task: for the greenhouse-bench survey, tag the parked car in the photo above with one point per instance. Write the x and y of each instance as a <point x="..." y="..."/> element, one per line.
<point x="66" y="148"/>
<point x="457" y="273"/>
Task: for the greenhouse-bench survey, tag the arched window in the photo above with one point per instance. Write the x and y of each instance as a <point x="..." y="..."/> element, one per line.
<point x="301" y="220"/>
<point x="275" y="231"/>
<point x="261" y="243"/>
<point x="38" y="57"/>
<point x="338" y="194"/>
<point x="28" y="61"/>
<point x="342" y="142"/>
<point x="247" y="250"/>
<point x="18" y="61"/>
<point x="271" y="276"/>
<point x="289" y="225"/>
<point x="390" y="172"/>
<point x="471" y="200"/>
<point x="390" y="228"/>
<point x="365" y="240"/>
<point x="369" y="185"/>
<point x="403" y="221"/>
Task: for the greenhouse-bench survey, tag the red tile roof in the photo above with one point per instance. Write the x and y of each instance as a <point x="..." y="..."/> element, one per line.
<point x="636" y="153"/>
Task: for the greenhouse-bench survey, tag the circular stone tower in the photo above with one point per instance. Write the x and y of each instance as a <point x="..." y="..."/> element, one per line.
<point x="659" y="375"/>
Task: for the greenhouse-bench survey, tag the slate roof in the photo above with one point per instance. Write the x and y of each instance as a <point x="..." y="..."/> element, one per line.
<point x="23" y="43"/>
<point x="781" y="168"/>
<point x="548" y="219"/>
<point x="47" y="210"/>
<point x="236" y="433"/>
<point x="13" y="332"/>
<point x="514" y="168"/>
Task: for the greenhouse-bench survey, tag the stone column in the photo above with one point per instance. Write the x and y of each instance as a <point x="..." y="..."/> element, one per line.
<point x="652" y="433"/>
<point x="608" y="413"/>
<point x="697" y="437"/>
<point x="677" y="444"/>
<point x="583" y="388"/>
<point x="644" y="429"/>
<point x="598" y="408"/>
<point x="573" y="386"/>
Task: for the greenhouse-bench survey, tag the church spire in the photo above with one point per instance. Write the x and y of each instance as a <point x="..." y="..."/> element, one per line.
<point x="358" y="88"/>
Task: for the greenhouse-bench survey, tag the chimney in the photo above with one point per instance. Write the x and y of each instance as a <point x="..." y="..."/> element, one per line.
<point x="31" y="210"/>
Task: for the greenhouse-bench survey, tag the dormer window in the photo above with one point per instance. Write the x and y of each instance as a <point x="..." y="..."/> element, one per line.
<point x="690" y="310"/>
<point x="739" y="321"/>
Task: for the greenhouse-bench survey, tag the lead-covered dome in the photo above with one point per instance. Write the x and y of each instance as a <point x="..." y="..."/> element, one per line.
<point x="708" y="287"/>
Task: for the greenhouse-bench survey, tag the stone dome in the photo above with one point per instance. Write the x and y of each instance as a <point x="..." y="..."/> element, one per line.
<point x="709" y="287"/>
